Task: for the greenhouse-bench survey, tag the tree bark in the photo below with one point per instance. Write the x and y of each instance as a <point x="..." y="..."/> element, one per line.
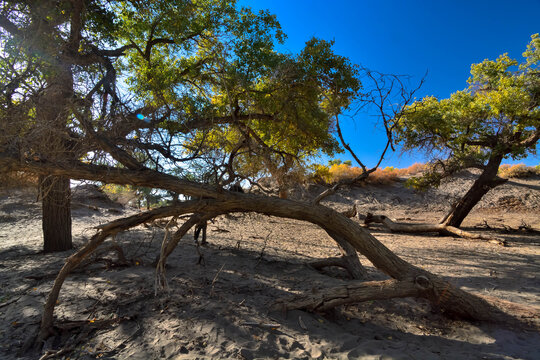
<point x="349" y="258"/>
<point x="52" y="112"/>
<point x="487" y="181"/>
<point x="55" y="193"/>
<point x="325" y="299"/>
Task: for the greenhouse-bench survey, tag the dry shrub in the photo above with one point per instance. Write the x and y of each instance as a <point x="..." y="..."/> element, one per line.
<point x="518" y="171"/>
<point x="17" y="179"/>
<point x="343" y="171"/>
<point x="414" y="169"/>
<point x="384" y="176"/>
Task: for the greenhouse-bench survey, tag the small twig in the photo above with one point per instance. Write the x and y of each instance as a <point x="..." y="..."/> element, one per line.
<point x="261" y="254"/>
<point x="49" y="354"/>
<point x="9" y="301"/>
<point x="263" y="325"/>
<point x="215" y="279"/>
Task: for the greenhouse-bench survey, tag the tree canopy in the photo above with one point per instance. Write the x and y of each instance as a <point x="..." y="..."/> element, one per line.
<point x="498" y="115"/>
<point x="181" y="85"/>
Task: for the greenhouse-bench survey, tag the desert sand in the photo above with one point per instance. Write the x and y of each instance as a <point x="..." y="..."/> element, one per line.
<point x="222" y="308"/>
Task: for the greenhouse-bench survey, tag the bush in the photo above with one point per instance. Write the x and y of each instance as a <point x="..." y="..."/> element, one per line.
<point x="518" y="171"/>
<point x="338" y="170"/>
<point x="384" y="176"/>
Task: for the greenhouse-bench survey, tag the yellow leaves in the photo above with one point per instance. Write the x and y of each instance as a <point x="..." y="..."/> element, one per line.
<point x="344" y="171"/>
<point x="219" y="100"/>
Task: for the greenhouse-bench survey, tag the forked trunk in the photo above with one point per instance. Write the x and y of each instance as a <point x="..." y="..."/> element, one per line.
<point x="56" y="199"/>
<point x="487" y="181"/>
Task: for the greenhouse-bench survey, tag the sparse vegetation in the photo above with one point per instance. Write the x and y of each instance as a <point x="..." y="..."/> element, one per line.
<point x="518" y="171"/>
<point x="336" y="170"/>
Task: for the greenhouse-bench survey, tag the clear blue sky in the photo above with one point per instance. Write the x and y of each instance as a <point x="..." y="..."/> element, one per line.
<point x="409" y="37"/>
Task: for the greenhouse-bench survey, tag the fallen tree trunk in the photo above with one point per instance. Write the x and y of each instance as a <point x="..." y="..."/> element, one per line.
<point x="441" y="228"/>
<point x="439" y="291"/>
<point x="325" y="299"/>
<point x="355" y="292"/>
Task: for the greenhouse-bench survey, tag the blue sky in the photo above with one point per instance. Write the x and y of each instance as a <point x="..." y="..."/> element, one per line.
<point x="409" y="37"/>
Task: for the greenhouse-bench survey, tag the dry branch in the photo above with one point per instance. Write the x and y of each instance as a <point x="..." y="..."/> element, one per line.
<point x="329" y="298"/>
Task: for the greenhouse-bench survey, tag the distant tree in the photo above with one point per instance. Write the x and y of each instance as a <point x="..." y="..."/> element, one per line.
<point x="496" y="117"/>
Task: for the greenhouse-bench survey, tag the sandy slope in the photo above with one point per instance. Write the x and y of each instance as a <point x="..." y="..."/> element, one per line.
<point x="216" y="310"/>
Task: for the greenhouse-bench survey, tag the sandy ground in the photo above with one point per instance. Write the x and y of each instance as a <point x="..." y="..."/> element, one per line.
<point x="221" y="309"/>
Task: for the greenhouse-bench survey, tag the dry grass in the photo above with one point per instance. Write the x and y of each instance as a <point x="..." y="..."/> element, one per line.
<point x="381" y="176"/>
<point x="518" y="171"/>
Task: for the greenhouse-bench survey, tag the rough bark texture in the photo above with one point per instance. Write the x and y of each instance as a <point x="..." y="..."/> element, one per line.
<point x="56" y="199"/>
<point x="325" y="299"/>
<point x="350" y="258"/>
<point x="487" y="181"/>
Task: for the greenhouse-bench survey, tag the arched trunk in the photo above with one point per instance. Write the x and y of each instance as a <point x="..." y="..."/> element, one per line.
<point x="439" y="291"/>
<point x="487" y="181"/>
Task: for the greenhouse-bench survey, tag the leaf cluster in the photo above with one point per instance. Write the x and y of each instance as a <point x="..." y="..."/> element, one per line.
<point x="497" y="115"/>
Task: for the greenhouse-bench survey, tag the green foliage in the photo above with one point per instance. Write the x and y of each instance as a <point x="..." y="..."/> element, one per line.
<point x="205" y="74"/>
<point x="425" y="182"/>
<point x="497" y="116"/>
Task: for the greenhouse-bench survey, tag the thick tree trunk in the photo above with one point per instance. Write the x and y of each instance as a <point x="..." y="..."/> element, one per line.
<point x="349" y="259"/>
<point x="52" y="117"/>
<point x="55" y="193"/>
<point x="487" y="181"/>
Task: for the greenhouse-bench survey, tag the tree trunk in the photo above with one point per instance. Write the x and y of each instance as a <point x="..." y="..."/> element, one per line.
<point x="52" y="112"/>
<point x="350" y="260"/>
<point x="487" y="181"/>
<point x="56" y="199"/>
